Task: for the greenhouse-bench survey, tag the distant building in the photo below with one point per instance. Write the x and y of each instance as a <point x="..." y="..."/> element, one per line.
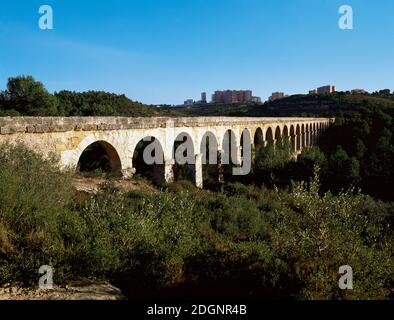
<point x="314" y="91"/>
<point x="256" y="99"/>
<point x="359" y="91"/>
<point x="203" y="97"/>
<point x="234" y="96"/>
<point x="277" y="96"/>
<point x="189" y="102"/>
<point x="326" y="89"/>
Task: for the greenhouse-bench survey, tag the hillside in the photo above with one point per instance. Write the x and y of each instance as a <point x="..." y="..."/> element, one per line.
<point x="297" y="105"/>
<point x="27" y="97"/>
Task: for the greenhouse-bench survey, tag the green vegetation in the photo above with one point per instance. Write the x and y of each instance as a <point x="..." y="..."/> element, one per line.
<point x="326" y="105"/>
<point x="27" y="97"/>
<point x="360" y="147"/>
<point x="273" y="243"/>
<point x="281" y="232"/>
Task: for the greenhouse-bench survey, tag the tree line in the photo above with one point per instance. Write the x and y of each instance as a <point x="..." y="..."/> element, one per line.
<point x="25" y="96"/>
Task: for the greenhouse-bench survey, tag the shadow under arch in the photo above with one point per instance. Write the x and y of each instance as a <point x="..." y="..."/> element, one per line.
<point x="278" y="134"/>
<point x="246" y="139"/>
<point x="285" y="133"/>
<point x="269" y="137"/>
<point x="228" y="155"/>
<point x="293" y="142"/>
<point x="229" y="146"/>
<point x="148" y="160"/>
<point x="210" y="165"/>
<point x="100" y="156"/>
<point x="258" y="139"/>
<point x="298" y="138"/>
<point x="184" y="158"/>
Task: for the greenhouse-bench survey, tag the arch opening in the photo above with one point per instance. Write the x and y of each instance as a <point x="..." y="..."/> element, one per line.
<point x="278" y="134"/>
<point x="258" y="139"/>
<point x="246" y="142"/>
<point x="184" y="156"/>
<point x="98" y="158"/>
<point x="298" y="137"/>
<point x="269" y="137"/>
<point x="148" y="160"/>
<point x="228" y="155"/>
<point x="210" y="167"/>
<point x="293" y="142"/>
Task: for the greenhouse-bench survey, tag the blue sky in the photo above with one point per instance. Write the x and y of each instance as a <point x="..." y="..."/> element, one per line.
<point x="165" y="51"/>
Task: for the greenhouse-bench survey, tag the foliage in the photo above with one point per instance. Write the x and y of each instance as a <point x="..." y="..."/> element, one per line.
<point x="360" y="148"/>
<point x="95" y="103"/>
<point x="241" y="240"/>
<point x="26" y="96"/>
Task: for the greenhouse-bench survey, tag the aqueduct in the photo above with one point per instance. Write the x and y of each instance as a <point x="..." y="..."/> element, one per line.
<point x="68" y="138"/>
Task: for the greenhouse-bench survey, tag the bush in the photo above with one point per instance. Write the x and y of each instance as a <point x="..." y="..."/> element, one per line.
<point x="272" y="243"/>
<point x="33" y="195"/>
<point x="318" y="234"/>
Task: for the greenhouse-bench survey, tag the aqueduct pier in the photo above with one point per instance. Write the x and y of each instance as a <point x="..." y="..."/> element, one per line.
<point x="69" y="137"/>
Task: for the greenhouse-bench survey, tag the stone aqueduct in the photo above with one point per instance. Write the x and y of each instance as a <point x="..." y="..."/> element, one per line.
<point x="119" y="136"/>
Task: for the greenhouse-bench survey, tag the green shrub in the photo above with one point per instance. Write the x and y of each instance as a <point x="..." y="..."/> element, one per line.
<point x="270" y="243"/>
<point x="321" y="233"/>
<point x="33" y="195"/>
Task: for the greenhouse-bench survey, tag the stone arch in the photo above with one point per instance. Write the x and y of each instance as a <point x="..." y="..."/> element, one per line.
<point x="293" y="142"/>
<point x="285" y="131"/>
<point x="303" y="136"/>
<point x="246" y="137"/>
<point x="100" y="155"/>
<point x="229" y="147"/>
<point x="258" y="138"/>
<point x="148" y="159"/>
<point x="278" y="134"/>
<point x="298" y="136"/>
<point x="269" y="136"/>
<point x="310" y="134"/>
<point x="187" y="142"/>
<point x="193" y="136"/>
<point x="209" y="148"/>
<point x="284" y="139"/>
<point x="184" y="156"/>
<point x="307" y="137"/>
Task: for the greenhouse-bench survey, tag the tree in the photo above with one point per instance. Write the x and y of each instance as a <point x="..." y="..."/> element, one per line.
<point x="343" y="171"/>
<point x="310" y="158"/>
<point x="29" y="97"/>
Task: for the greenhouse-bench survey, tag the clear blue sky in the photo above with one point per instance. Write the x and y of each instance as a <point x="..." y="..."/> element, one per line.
<point x="165" y="51"/>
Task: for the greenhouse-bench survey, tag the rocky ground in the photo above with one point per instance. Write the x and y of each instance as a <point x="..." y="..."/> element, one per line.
<point x="87" y="290"/>
<point x="95" y="185"/>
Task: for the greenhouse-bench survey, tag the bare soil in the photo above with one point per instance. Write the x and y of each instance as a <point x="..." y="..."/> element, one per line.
<point x="82" y="290"/>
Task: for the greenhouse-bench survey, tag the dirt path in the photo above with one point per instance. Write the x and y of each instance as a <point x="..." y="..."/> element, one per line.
<point x="94" y="185"/>
<point x="87" y="290"/>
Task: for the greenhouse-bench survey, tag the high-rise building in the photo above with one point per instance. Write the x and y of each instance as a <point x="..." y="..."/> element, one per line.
<point x="359" y="91"/>
<point x="326" y="89"/>
<point x="233" y="96"/>
<point x="189" y="102"/>
<point x="276" y="96"/>
<point x="256" y="99"/>
<point x="203" y="97"/>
